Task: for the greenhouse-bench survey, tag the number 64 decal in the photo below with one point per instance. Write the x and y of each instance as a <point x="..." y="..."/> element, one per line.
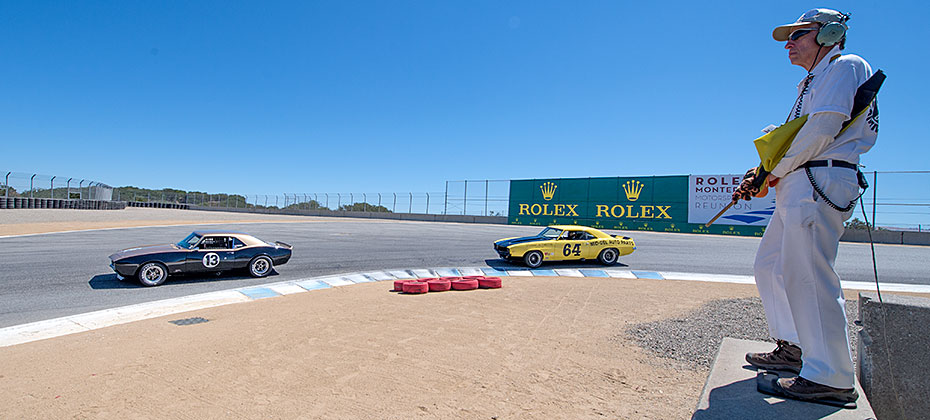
<point x="211" y="260"/>
<point x="569" y="250"/>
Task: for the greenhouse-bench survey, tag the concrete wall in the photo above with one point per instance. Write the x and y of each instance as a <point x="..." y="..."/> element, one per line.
<point x="894" y="353"/>
<point x="887" y="237"/>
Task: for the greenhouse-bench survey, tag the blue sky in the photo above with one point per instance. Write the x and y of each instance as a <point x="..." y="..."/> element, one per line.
<point x="312" y="96"/>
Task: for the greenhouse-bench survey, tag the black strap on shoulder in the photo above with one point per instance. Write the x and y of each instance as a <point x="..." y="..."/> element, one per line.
<point x="865" y="94"/>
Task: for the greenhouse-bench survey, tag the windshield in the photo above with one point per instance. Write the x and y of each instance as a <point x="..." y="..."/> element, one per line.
<point x="189" y="241"/>
<point x="550" y="232"/>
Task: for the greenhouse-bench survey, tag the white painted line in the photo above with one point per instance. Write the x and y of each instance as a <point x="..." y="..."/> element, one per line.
<point x="568" y="272"/>
<point x="471" y="271"/>
<point x="621" y="274"/>
<point x="287" y="289"/>
<point x="446" y="272"/>
<point x="401" y="274"/>
<point x="336" y="281"/>
<point x="357" y="278"/>
<point x="108" y="317"/>
<point x="715" y="278"/>
<point x="887" y="287"/>
<point x="520" y="273"/>
<point x="379" y="276"/>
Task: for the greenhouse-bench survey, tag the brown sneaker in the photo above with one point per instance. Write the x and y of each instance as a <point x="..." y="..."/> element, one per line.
<point x="801" y="389"/>
<point x="785" y="357"/>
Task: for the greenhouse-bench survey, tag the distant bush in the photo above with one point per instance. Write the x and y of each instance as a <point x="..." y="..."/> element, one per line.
<point x="363" y="207"/>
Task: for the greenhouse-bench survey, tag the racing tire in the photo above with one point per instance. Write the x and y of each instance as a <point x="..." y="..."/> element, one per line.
<point x="489" y="283"/>
<point x="439" y="285"/>
<point x="399" y="285"/>
<point x="152" y="274"/>
<point x="608" y="256"/>
<point x="533" y="259"/>
<point x="415" y="287"/>
<point x="260" y="266"/>
<point x="464" y="284"/>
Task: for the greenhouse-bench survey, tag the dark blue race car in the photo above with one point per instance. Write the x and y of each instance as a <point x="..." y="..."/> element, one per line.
<point x="201" y="252"/>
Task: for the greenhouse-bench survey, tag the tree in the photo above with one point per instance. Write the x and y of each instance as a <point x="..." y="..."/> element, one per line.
<point x="363" y="207"/>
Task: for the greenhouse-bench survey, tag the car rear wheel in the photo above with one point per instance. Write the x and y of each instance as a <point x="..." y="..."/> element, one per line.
<point x="152" y="274"/>
<point x="533" y="259"/>
<point x="260" y="266"/>
<point x="608" y="256"/>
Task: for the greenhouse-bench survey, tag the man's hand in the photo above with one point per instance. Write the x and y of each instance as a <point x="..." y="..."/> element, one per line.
<point x="746" y="190"/>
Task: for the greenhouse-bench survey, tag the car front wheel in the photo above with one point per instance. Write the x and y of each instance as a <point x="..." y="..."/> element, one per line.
<point x="533" y="259"/>
<point x="260" y="266"/>
<point x="152" y="274"/>
<point x="608" y="256"/>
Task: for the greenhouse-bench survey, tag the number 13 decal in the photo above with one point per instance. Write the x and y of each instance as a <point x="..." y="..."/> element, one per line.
<point x="569" y="250"/>
<point x="211" y="260"/>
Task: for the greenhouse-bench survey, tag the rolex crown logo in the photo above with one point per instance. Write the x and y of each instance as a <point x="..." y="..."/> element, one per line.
<point x="632" y="189"/>
<point x="548" y="190"/>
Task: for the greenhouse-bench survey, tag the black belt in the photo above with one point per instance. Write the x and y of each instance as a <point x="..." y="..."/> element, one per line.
<point x="835" y="164"/>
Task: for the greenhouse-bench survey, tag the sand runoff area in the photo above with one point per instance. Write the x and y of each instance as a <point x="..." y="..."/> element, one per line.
<point x="538" y="348"/>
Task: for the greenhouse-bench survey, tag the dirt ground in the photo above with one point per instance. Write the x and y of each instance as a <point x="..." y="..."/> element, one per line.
<point x="539" y="348"/>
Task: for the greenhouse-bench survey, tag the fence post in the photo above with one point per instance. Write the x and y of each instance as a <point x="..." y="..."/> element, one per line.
<point x="410" y="209"/>
<point x="379" y="199"/>
<point x="427" y="203"/>
<point x="445" y="205"/>
<point x="51" y="189"/>
<point x="465" y="199"/>
<point x="874" y="190"/>
<point x="394" y="209"/>
<point x="486" y="197"/>
<point x="339" y="203"/>
<point x="31" y="190"/>
<point x="6" y="182"/>
<point x="327" y="200"/>
<point x="365" y="201"/>
<point x="81" y="190"/>
<point x="69" y="188"/>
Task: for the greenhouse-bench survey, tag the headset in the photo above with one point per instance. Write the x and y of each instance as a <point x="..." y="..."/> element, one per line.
<point x="832" y="33"/>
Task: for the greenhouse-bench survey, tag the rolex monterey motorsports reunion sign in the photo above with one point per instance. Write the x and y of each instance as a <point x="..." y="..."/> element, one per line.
<point x="653" y="203"/>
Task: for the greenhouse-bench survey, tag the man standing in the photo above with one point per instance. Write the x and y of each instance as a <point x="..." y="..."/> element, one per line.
<point x="815" y="190"/>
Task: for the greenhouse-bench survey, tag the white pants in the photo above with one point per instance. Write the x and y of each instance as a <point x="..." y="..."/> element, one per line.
<point x="794" y="272"/>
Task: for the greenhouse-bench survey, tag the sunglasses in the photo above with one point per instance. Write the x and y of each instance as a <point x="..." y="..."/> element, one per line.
<point x="796" y="35"/>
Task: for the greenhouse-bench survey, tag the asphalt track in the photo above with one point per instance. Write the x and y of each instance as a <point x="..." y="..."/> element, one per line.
<point x="53" y="275"/>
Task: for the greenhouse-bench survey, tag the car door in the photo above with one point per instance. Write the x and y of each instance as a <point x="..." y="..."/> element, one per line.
<point x="213" y="253"/>
<point x="590" y="246"/>
<point x="569" y="246"/>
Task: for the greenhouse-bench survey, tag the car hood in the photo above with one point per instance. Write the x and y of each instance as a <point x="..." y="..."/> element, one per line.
<point x="144" y="250"/>
<point x="514" y="241"/>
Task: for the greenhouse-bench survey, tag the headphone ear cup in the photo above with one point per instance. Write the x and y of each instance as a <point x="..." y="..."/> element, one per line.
<point x="830" y="34"/>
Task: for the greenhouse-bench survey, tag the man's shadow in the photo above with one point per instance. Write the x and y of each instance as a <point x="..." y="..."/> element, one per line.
<point x="742" y="399"/>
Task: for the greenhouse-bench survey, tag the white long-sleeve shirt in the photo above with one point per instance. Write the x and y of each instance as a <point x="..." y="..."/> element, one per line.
<point x="828" y="102"/>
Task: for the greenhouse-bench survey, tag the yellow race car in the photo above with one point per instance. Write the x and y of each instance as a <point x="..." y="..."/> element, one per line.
<point x="564" y="243"/>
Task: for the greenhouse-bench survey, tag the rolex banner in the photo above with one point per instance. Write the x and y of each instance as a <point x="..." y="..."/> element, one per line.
<point x="651" y="203"/>
<point x="708" y="194"/>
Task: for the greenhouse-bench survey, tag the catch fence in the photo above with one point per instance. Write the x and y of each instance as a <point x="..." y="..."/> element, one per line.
<point x="896" y="199"/>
